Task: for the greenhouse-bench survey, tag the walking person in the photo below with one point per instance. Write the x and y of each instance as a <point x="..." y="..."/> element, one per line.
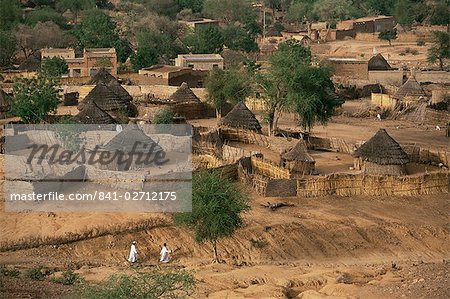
<point x="165" y="257"/>
<point x="133" y="253"/>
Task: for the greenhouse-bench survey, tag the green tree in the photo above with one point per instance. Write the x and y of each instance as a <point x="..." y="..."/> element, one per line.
<point x="388" y="35"/>
<point x="54" y="67"/>
<point x="8" y="48"/>
<point x="404" y="12"/>
<point x="10" y="14"/>
<point x="143" y="57"/>
<point x="440" y="50"/>
<point x="98" y="31"/>
<point x="205" y="41"/>
<point x="225" y="86"/>
<point x="334" y="10"/>
<point x="237" y="38"/>
<point x="307" y="89"/>
<point x="440" y="13"/>
<point x="45" y="15"/>
<point x="299" y="11"/>
<point x="75" y="6"/>
<point x="195" y="5"/>
<point x="217" y="207"/>
<point x="34" y="98"/>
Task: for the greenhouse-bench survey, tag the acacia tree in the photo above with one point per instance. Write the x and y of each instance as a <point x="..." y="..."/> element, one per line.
<point x="388" y="35"/>
<point x="217" y="207"/>
<point x="75" y="6"/>
<point x="440" y="50"/>
<point x="225" y="86"/>
<point x="34" y="98"/>
<point x="205" y="41"/>
<point x="302" y="87"/>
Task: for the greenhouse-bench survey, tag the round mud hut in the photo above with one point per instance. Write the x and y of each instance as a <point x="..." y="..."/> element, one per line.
<point x="104" y="77"/>
<point x="92" y="114"/>
<point x="298" y="160"/>
<point x="183" y="94"/>
<point x="240" y="117"/>
<point x="411" y="90"/>
<point x="134" y="145"/>
<point x="381" y="155"/>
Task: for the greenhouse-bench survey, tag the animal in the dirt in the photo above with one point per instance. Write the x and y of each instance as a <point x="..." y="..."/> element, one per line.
<point x="276" y="205"/>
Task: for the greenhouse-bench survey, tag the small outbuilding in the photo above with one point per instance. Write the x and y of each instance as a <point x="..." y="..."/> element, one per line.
<point x="183" y="95"/>
<point x="134" y="145"/>
<point x="92" y="114"/>
<point x="240" y="117"/>
<point x="378" y="63"/>
<point x="298" y="160"/>
<point x="411" y="90"/>
<point x="381" y="155"/>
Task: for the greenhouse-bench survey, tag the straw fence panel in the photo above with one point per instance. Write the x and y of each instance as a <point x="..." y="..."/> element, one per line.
<point x="244" y="136"/>
<point x="359" y="184"/>
<point x="205" y="162"/>
<point x="233" y="154"/>
<point x="269" y="169"/>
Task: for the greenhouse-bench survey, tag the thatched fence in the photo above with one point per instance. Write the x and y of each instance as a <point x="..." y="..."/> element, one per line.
<point x="269" y="169"/>
<point x="343" y="184"/>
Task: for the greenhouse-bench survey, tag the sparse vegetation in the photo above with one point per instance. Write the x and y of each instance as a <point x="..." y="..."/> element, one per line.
<point x="175" y="284"/>
<point x="163" y="116"/>
<point x="68" y="277"/>
<point x="35" y="273"/>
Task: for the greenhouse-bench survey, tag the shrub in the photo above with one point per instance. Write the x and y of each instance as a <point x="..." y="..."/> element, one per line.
<point x="421" y="42"/>
<point x="35" y="273"/>
<point x="163" y="116"/>
<point x="179" y="284"/>
<point x="68" y="277"/>
<point x="11" y="272"/>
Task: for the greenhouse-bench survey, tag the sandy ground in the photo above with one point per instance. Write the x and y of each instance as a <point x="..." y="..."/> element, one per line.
<point x="414" y="55"/>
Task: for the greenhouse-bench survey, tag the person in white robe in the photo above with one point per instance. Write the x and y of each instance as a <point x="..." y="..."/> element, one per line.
<point x="165" y="257"/>
<point x="133" y="253"/>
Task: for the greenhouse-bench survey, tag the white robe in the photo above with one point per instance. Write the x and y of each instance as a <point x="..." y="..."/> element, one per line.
<point x="133" y="254"/>
<point x="165" y="258"/>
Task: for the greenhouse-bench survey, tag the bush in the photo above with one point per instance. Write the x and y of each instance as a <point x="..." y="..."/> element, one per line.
<point x="35" y="273"/>
<point x="163" y="116"/>
<point x="11" y="272"/>
<point x="179" y="284"/>
<point x="421" y="42"/>
<point x="68" y="277"/>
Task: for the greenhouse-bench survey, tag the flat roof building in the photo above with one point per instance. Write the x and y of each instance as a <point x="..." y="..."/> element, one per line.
<point x="204" y="62"/>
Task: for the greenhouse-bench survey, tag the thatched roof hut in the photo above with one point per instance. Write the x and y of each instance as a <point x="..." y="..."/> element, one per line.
<point x="184" y="95"/>
<point x="106" y="99"/>
<point x="92" y="114"/>
<point x="5" y="105"/>
<point x="133" y="143"/>
<point x="381" y="154"/>
<point x="298" y="160"/>
<point x="378" y="63"/>
<point x="104" y="77"/>
<point x="240" y="117"/>
<point x="411" y="89"/>
<point x="132" y="138"/>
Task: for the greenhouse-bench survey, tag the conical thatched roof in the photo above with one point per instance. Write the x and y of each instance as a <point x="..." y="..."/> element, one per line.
<point x="378" y="63"/>
<point x="241" y="117"/>
<point x="132" y="138"/>
<point x="382" y="149"/>
<point x="184" y="95"/>
<point x="411" y="88"/>
<point x="4" y="103"/>
<point x="104" y="77"/>
<point x="298" y="153"/>
<point x="92" y="114"/>
<point x="106" y="99"/>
